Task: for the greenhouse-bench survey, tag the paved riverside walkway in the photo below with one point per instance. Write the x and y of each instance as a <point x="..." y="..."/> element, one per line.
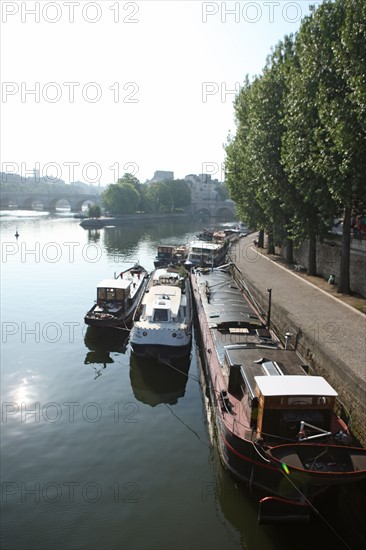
<point x="338" y="328"/>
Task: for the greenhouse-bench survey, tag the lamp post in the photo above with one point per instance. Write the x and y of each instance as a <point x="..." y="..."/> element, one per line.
<point x="269" y="290"/>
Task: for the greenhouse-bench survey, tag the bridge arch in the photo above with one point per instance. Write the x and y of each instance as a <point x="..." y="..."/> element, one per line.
<point x="85" y="202"/>
<point x="216" y="209"/>
<point x="31" y="202"/>
<point x="57" y="202"/>
<point x="224" y="212"/>
<point x="204" y="212"/>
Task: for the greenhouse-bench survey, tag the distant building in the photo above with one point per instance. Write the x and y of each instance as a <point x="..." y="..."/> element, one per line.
<point x="203" y="187"/>
<point x="161" y="175"/>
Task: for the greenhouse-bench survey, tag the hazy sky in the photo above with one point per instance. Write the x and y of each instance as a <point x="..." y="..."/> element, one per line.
<point x="91" y="90"/>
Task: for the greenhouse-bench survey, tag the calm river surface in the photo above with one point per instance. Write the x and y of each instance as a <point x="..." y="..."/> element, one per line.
<point x="100" y="451"/>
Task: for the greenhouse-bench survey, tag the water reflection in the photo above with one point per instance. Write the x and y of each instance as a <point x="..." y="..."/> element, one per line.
<point x="154" y="383"/>
<point x="102" y="342"/>
<point x="93" y="235"/>
<point x="25" y="388"/>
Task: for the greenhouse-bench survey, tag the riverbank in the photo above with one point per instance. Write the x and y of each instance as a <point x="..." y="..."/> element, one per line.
<point x="98" y="223"/>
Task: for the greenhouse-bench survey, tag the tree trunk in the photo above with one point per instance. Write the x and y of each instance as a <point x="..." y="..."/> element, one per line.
<point x="343" y="284"/>
<point x="312" y="253"/>
<point x="261" y="238"/>
<point x="270" y="244"/>
<point x="289" y="251"/>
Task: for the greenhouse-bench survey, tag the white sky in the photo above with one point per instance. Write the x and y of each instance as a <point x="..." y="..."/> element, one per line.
<point x="151" y="83"/>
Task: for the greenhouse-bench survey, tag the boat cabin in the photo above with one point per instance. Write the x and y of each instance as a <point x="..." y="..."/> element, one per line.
<point x="110" y="291"/>
<point x="165" y="252"/>
<point x="275" y="392"/>
<point x="203" y="252"/>
<point x="285" y="401"/>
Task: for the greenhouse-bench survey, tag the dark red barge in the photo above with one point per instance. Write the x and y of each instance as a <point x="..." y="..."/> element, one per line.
<point x="275" y="425"/>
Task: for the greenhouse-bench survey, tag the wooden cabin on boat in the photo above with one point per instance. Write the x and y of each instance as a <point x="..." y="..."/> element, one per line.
<point x="275" y="392"/>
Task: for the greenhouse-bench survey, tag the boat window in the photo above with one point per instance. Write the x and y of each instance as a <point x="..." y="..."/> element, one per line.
<point x="101" y="294"/>
<point x="271" y="368"/>
<point x="110" y="292"/>
<point x="120" y="294"/>
<point x="160" y="315"/>
<point x="323" y="401"/>
<point x="301" y="400"/>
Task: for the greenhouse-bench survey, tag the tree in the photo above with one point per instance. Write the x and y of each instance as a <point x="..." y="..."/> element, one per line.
<point x="314" y="209"/>
<point x="327" y="116"/>
<point x="255" y="174"/>
<point x="239" y="172"/>
<point x="342" y="110"/>
<point x="222" y="192"/>
<point x="273" y="191"/>
<point x="121" y="198"/>
<point x="180" y="193"/>
<point x="94" y="211"/>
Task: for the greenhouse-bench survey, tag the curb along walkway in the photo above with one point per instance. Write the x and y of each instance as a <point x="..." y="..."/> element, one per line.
<point x="337" y="327"/>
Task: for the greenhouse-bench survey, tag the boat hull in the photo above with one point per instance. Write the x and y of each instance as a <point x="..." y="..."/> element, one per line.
<point x="253" y="465"/>
<point x="122" y="321"/>
<point x="246" y="457"/>
<point x="279" y="510"/>
<point x="162" y="352"/>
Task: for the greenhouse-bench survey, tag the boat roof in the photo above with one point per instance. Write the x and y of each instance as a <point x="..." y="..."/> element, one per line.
<point x="294" y="385"/>
<point x="114" y="283"/>
<point x="163" y="296"/>
<point x="259" y="360"/>
<point x="208" y="245"/>
<point x="226" y="304"/>
<point x="166" y="272"/>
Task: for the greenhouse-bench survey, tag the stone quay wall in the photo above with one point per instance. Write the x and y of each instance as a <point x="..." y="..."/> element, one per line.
<point x="329" y="259"/>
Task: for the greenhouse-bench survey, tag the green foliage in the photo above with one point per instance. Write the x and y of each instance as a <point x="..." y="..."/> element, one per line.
<point x="298" y="158"/>
<point x="94" y="211"/>
<point x="222" y="192"/>
<point x="163" y="197"/>
<point x="121" y="198"/>
<point x="180" y="193"/>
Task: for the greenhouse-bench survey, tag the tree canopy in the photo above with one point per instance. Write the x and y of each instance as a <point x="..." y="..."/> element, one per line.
<point x="298" y="159"/>
<point x="128" y="195"/>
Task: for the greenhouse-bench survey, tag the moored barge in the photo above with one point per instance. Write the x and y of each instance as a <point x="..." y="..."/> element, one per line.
<point x="118" y="299"/>
<point x="275" y="425"/>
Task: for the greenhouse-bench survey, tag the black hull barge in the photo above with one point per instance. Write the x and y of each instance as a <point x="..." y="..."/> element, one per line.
<point x="118" y="299"/>
<point x="275" y="426"/>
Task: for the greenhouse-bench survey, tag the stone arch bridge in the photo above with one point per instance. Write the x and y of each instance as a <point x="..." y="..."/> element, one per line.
<point x="50" y="201"/>
<point x="214" y="209"/>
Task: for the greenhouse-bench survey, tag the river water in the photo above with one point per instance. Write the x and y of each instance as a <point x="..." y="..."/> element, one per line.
<point x="100" y="451"/>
